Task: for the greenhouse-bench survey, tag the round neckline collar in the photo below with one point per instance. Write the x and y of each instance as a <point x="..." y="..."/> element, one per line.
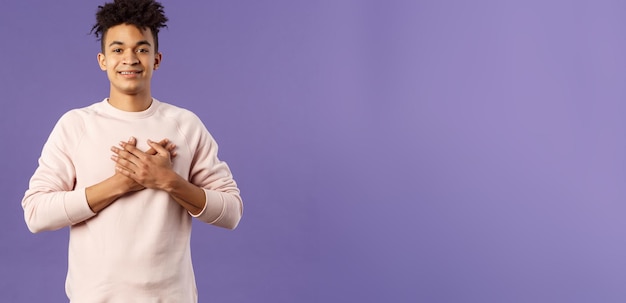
<point x="132" y="115"/>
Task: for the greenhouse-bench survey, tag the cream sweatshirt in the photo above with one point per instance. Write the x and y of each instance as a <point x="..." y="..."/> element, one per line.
<point x="138" y="248"/>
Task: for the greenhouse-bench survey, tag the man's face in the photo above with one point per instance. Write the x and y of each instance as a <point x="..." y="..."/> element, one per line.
<point x="129" y="59"/>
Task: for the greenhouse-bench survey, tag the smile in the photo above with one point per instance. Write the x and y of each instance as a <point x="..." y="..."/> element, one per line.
<point x="130" y="73"/>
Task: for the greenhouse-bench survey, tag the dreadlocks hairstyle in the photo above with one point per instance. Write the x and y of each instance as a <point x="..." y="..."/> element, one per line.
<point x="140" y="13"/>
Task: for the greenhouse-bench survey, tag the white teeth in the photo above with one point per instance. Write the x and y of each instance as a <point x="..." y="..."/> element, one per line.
<point x="128" y="73"/>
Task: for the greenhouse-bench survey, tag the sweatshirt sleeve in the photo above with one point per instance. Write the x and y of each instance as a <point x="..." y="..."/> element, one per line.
<point x="51" y="201"/>
<point x="224" y="206"/>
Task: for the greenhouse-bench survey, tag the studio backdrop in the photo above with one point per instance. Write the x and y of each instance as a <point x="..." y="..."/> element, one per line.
<point x="386" y="151"/>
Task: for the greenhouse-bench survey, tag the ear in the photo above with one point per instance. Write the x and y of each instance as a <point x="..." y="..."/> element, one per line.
<point x="102" y="61"/>
<point x="157" y="60"/>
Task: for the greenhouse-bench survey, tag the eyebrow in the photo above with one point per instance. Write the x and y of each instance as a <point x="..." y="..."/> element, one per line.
<point x="142" y="42"/>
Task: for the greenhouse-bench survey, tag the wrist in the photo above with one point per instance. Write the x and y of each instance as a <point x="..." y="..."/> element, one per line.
<point x="171" y="183"/>
<point x="122" y="185"/>
<point x="101" y="195"/>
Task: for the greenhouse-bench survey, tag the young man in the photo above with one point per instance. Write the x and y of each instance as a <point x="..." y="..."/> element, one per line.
<point x="128" y="174"/>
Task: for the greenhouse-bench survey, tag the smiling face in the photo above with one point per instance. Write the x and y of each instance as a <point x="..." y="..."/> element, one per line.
<point x="129" y="59"/>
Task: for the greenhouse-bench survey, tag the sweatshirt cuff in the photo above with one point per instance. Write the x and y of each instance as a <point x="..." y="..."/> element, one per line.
<point x="76" y="206"/>
<point x="213" y="207"/>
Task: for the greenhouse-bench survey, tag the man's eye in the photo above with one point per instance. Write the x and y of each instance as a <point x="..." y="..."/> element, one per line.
<point x="142" y="50"/>
<point x="116" y="50"/>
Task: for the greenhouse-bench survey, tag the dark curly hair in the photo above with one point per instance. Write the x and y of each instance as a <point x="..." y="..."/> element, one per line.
<point x="140" y="13"/>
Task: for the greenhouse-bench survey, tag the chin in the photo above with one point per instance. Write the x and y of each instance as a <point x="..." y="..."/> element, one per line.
<point x="130" y="90"/>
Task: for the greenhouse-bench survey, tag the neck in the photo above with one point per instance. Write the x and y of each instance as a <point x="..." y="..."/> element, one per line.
<point x="130" y="103"/>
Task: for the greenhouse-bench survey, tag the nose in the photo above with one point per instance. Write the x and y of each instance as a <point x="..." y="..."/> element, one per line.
<point x="130" y="58"/>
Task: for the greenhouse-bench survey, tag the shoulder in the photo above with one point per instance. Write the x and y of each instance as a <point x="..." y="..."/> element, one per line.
<point x="72" y="123"/>
<point x="179" y="114"/>
<point x="188" y="125"/>
<point x="78" y="115"/>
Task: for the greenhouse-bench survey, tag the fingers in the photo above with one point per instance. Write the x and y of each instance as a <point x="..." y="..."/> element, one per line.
<point x="128" y="155"/>
<point x="132" y="150"/>
<point x="169" y="146"/>
<point x="151" y="150"/>
<point x="160" y="150"/>
<point x="123" y="159"/>
<point x="122" y="163"/>
<point x="124" y="171"/>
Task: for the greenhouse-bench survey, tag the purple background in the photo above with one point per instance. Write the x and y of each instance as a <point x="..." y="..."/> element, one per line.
<point x="387" y="151"/>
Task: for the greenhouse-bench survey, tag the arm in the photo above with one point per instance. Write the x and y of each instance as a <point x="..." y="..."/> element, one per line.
<point x="103" y="194"/>
<point x="213" y="204"/>
<point x="52" y="201"/>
